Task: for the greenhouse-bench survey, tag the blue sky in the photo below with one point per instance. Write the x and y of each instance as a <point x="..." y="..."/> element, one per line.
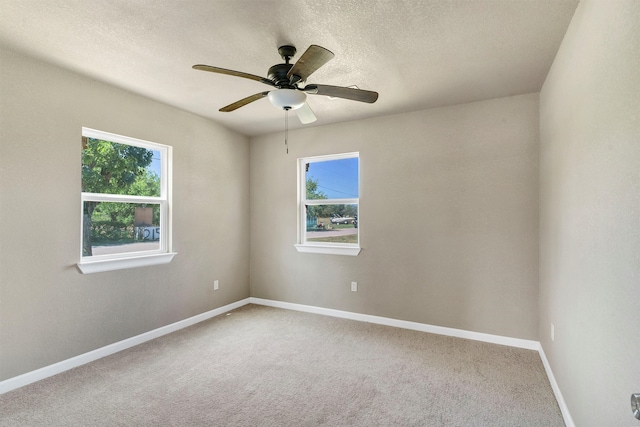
<point x="155" y="163"/>
<point x="338" y="179"/>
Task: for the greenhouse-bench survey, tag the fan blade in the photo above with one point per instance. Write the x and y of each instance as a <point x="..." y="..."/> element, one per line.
<point x="342" y="92"/>
<point x="305" y="114"/>
<point x="312" y="59"/>
<point x="233" y="73"/>
<point x="243" y="102"/>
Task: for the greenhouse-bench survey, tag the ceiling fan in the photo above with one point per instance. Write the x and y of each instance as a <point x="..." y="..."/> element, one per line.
<point x="286" y="78"/>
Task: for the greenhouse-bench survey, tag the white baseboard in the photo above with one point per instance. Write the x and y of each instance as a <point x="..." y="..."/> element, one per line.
<point x="65" y="365"/>
<point x="556" y="389"/>
<point x="422" y="327"/>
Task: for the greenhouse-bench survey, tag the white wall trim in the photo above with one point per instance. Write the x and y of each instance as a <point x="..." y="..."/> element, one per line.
<point x="65" y="365"/>
<point x="556" y="389"/>
<point x="422" y="327"/>
<point x="102" y="265"/>
<point x="328" y="250"/>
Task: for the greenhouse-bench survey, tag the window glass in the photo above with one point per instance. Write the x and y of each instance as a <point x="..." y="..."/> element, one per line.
<point x="332" y="179"/>
<point x="118" y="227"/>
<point x="329" y="203"/>
<point x="124" y="196"/>
<point x="332" y="223"/>
<point x="113" y="168"/>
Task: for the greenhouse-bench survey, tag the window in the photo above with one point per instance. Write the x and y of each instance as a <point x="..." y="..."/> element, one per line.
<point x="329" y="198"/>
<point x="125" y="202"/>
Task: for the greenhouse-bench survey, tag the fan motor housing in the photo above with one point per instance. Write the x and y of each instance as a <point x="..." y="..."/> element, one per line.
<point x="278" y="75"/>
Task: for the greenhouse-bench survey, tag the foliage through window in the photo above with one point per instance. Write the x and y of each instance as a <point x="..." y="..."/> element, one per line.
<point x="124" y="196"/>
<point x="329" y="201"/>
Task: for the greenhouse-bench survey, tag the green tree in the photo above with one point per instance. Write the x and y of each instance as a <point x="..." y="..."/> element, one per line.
<point x="314" y="194"/>
<point x="312" y="190"/>
<point x="112" y="168"/>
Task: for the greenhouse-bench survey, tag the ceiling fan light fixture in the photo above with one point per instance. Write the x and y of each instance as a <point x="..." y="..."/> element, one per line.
<point x="285" y="78"/>
<point x="287" y="99"/>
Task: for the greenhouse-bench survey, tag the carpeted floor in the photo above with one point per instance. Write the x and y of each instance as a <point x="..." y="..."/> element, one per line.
<point x="262" y="366"/>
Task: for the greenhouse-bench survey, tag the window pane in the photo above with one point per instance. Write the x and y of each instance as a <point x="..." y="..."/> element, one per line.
<point x="333" y="179"/>
<point x="332" y="223"/>
<point x="113" y="168"/>
<point x="116" y="227"/>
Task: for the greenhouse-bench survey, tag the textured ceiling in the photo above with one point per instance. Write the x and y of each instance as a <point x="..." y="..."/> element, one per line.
<point x="416" y="53"/>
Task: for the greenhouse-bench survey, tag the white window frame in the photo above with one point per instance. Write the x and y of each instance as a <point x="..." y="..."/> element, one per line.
<point x="351" y="249"/>
<point x="162" y="255"/>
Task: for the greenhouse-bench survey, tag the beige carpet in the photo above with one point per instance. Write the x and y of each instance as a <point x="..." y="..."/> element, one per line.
<point x="261" y="366"/>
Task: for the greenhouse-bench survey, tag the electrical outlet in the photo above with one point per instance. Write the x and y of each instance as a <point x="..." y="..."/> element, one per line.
<point x="354" y="286"/>
<point x="553" y="332"/>
<point x="215" y="285"/>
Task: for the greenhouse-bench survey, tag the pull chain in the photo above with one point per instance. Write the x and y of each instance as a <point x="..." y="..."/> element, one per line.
<point x="286" y="129"/>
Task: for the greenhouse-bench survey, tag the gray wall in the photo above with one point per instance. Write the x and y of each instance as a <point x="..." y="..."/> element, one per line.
<point x="448" y="218"/>
<point x="48" y="310"/>
<point x="590" y="213"/>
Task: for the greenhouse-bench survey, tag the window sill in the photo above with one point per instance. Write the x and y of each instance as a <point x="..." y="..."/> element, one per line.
<point x="99" y="266"/>
<point x="329" y="250"/>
